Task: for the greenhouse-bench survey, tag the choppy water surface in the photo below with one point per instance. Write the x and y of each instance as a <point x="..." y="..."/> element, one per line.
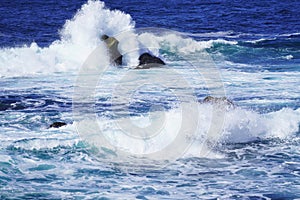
<point x="249" y="151"/>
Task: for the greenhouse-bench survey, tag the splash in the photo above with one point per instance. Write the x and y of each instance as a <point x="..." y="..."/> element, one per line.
<point x="240" y="126"/>
<point x="81" y="35"/>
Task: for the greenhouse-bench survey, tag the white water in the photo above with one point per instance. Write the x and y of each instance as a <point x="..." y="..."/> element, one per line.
<point x="81" y="35"/>
<point x="239" y="126"/>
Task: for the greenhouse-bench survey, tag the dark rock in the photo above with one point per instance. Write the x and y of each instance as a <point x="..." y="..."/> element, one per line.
<point x="149" y="61"/>
<point x="57" y="124"/>
<point x="118" y="61"/>
<point x="112" y="45"/>
<point x="218" y="100"/>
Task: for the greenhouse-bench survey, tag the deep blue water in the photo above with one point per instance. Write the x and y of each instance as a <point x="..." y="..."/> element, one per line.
<point x="253" y="55"/>
<point x="28" y="21"/>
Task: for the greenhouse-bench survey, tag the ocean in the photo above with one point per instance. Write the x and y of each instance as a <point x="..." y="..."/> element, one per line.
<point x="150" y="133"/>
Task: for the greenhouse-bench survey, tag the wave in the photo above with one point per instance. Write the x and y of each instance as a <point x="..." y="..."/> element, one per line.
<point x="238" y="126"/>
<point x="281" y="41"/>
<point x="81" y="35"/>
<point x="78" y="38"/>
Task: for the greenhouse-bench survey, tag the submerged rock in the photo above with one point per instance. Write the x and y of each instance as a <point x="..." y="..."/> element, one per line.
<point x="218" y="100"/>
<point x="57" y="124"/>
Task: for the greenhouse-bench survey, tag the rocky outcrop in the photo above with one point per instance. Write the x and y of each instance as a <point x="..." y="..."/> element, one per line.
<point x="147" y="61"/>
<point x="112" y="45"/>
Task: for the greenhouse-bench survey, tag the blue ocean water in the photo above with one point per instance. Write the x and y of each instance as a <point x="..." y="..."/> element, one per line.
<point x="246" y="51"/>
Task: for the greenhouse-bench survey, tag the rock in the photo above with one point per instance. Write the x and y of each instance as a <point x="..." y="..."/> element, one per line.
<point x="57" y="124"/>
<point x="112" y="45"/>
<point x="149" y="61"/>
<point x="218" y="100"/>
<point x="146" y="60"/>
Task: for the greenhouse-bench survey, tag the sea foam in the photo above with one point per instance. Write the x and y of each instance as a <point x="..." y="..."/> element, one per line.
<point x="80" y="36"/>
